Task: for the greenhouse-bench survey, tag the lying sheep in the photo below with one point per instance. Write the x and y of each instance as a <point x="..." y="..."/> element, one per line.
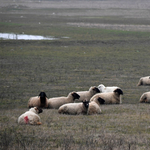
<point x="74" y="108"/>
<point x="94" y="106"/>
<point x="87" y="94"/>
<point x="56" y="102"/>
<point x="104" y="89"/>
<point x="144" y="81"/>
<point x="145" y="98"/>
<point x="31" y="117"/>
<point x="38" y="101"/>
<point x="109" y="97"/>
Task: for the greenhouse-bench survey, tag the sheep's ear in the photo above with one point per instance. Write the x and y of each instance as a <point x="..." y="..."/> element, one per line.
<point x="101" y="101"/>
<point x="119" y="91"/>
<point x="40" y="93"/>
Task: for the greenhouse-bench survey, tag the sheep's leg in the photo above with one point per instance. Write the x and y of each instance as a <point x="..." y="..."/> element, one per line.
<point x="39" y="123"/>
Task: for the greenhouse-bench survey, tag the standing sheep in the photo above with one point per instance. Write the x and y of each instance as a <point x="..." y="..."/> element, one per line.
<point x="104" y="89"/>
<point x="145" y="98"/>
<point x="144" y="81"/>
<point x="109" y="97"/>
<point x="74" y="108"/>
<point x="31" y="117"/>
<point x="56" y="102"/>
<point x="94" y="107"/>
<point x="87" y="94"/>
<point x="38" y="101"/>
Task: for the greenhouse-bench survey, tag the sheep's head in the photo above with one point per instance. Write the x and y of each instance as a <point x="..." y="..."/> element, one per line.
<point x="38" y="110"/>
<point x="42" y="98"/>
<point x="118" y="91"/>
<point x="86" y="103"/>
<point x="75" y="95"/>
<point x="101" y="101"/>
<point x="93" y="90"/>
<point x="42" y="94"/>
<point x="96" y="90"/>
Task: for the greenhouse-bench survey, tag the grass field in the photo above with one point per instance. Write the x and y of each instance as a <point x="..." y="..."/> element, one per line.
<point x="101" y="48"/>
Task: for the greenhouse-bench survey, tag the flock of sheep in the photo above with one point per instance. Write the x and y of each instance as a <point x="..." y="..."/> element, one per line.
<point x="82" y="102"/>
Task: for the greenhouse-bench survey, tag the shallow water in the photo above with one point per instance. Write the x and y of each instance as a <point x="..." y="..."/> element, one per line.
<point x="13" y="36"/>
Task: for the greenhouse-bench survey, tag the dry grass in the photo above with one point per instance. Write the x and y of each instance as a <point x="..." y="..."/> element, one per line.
<point x="89" y="57"/>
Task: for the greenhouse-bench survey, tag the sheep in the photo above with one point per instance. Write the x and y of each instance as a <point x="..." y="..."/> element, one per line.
<point x="144" y="81"/>
<point x="145" y="98"/>
<point x="56" y="102"/>
<point x="74" y="108"/>
<point x="38" y="101"/>
<point x="104" y="89"/>
<point x="87" y="94"/>
<point x="109" y="97"/>
<point x="31" y="117"/>
<point x="94" y="107"/>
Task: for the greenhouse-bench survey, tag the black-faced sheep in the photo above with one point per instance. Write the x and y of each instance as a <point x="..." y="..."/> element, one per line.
<point x="109" y="97"/>
<point x="87" y="94"/>
<point x="56" y="102"/>
<point x="144" y="81"/>
<point x="145" y="98"/>
<point x="94" y="107"/>
<point x="31" y="117"/>
<point x="38" y="101"/>
<point x="104" y="89"/>
<point x="74" y="108"/>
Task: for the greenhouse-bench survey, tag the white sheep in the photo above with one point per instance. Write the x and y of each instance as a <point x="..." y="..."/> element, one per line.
<point x="56" y="102"/>
<point x="104" y="89"/>
<point x="87" y="94"/>
<point x="144" y="81"/>
<point x="31" y="117"/>
<point x="94" y="107"/>
<point x="145" y="98"/>
<point x="74" y="108"/>
<point x="38" y="101"/>
<point x="109" y="97"/>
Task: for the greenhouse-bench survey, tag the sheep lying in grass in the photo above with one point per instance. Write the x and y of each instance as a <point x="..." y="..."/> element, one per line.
<point x="74" y="108"/>
<point x="87" y="94"/>
<point x="145" y="98"/>
<point x="56" y="102"/>
<point x="94" y="106"/>
<point x="38" y="101"/>
<point x="144" y="81"/>
<point x="31" y="117"/>
<point x="109" y="97"/>
<point x="104" y="89"/>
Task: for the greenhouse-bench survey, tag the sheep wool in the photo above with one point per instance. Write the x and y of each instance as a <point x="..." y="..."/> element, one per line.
<point x="87" y="94"/>
<point x="74" y="108"/>
<point x="104" y="89"/>
<point x="144" y="81"/>
<point x="145" y="98"/>
<point x="56" y="102"/>
<point x="31" y="117"/>
<point x="94" y="108"/>
<point x="109" y="97"/>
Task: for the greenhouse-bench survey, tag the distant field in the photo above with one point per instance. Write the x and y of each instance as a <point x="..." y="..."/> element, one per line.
<point x="108" y="43"/>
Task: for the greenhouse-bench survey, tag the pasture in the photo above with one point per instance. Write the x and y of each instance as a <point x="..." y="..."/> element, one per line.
<point x="98" y="42"/>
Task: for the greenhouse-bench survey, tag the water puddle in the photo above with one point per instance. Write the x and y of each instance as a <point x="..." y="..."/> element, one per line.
<point x="12" y="36"/>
